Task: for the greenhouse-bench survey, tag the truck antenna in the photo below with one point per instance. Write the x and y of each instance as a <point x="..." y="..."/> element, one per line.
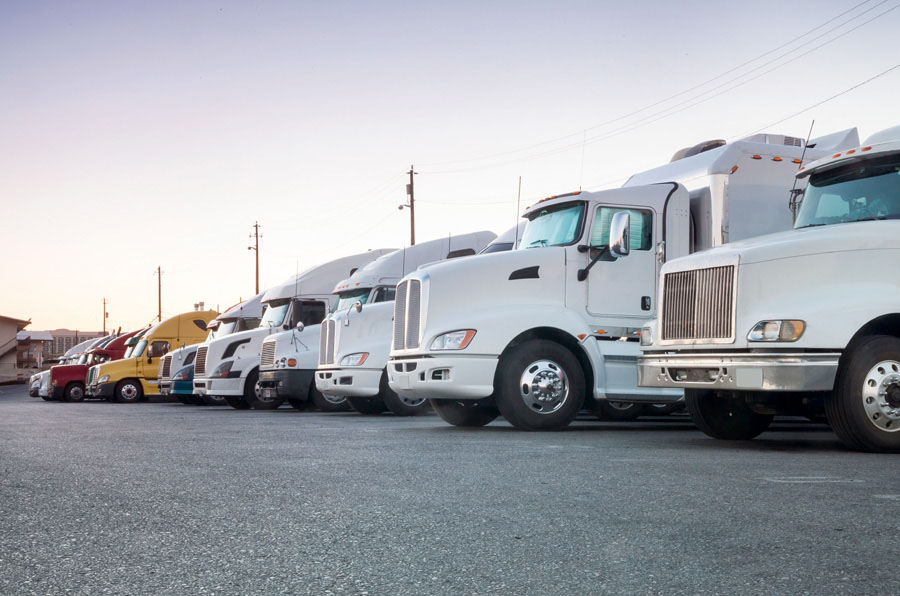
<point x="296" y="281"/>
<point x="795" y="192"/>
<point x="518" y="202"/>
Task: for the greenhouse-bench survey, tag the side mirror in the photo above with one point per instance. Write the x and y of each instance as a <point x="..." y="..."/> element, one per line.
<point x="358" y="306"/>
<point x="149" y="359"/>
<point x="619" y="234"/>
<point x="300" y="326"/>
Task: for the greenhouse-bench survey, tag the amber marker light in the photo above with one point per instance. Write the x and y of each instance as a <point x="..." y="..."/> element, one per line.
<point x="776" y="159"/>
<point x="757" y="157"/>
<point x="866" y="148"/>
<point x="734" y="169"/>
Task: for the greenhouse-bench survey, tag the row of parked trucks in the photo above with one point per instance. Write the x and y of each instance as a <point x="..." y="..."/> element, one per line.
<point x="766" y="268"/>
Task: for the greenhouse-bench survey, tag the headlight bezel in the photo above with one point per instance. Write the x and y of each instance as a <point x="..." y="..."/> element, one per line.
<point x="777" y="330"/>
<point x="458" y="339"/>
<point x="354" y="359"/>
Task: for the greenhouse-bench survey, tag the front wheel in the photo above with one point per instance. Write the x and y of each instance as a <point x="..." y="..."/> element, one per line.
<point x="540" y="386"/>
<point x="74" y="392"/>
<point x="327" y="403"/>
<point x="369" y="406"/>
<point x="723" y="416"/>
<point x="402" y="406"/>
<point x="464" y="413"/>
<point x="864" y="408"/>
<point x="129" y="391"/>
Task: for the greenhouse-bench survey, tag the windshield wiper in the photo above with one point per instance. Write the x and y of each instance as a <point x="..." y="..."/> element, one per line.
<point x="542" y="242"/>
<point x="811" y="226"/>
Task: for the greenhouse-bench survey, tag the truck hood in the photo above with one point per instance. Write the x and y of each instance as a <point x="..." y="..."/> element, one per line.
<point x="119" y="368"/>
<point x="863" y="235"/>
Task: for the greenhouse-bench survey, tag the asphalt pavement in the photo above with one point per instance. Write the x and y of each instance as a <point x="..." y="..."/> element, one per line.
<point x="161" y="498"/>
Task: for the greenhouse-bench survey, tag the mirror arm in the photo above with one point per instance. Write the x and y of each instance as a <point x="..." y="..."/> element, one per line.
<point x="583" y="273"/>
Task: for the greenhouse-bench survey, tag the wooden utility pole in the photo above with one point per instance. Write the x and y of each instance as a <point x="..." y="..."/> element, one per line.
<point x="159" y="294"/>
<point x="255" y="247"/>
<point x="105" y="315"/>
<point x="410" y="190"/>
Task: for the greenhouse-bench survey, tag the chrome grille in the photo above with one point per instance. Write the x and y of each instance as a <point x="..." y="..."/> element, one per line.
<point x="400" y="316"/>
<point x="90" y="376"/>
<point x="326" y="342"/>
<point x="200" y="362"/>
<point x="166" y="367"/>
<point x="698" y="304"/>
<point x="267" y="353"/>
<point x="412" y="313"/>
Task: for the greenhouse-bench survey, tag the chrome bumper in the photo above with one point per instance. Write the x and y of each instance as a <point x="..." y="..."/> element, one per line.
<point x="759" y="371"/>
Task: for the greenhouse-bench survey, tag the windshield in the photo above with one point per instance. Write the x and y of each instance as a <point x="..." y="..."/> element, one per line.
<point x="139" y="349"/>
<point x="860" y="191"/>
<point x="275" y="313"/>
<point x="225" y="327"/>
<point x="553" y="226"/>
<point x="82" y="359"/>
<point x="348" y="299"/>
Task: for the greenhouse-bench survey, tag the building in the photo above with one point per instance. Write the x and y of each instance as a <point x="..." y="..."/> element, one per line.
<point x="9" y="348"/>
<point x="32" y="349"/>
<point x="64" y="340"/>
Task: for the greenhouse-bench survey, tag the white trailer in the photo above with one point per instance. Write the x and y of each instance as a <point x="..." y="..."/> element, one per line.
<point x="226" y="370"/>
<point x="356" y="338"/>
<point x="798" y="322"/>
<point x="537" y="333"/>
<point x="240" y="317"/>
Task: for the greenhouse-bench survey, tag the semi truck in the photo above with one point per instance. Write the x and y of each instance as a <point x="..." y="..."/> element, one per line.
<point x="75" y="355"/>
<point x="226" y="370"/>
<point x="539" y="332"/>
<point x="131" y="379"/>
<point x="240" y="317"/>
<point x="68" y="381"/>
<point x="355" y="339"/>
<point x="800" y="322"/>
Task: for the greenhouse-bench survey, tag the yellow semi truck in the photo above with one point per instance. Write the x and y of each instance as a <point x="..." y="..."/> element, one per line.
<point x="132" y="378"/>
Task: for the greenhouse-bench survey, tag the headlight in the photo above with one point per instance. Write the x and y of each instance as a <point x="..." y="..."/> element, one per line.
<point x="455" y="340"/>
<point x="222" y="371"/>
<point x="103" y="379"/>
<point x="354" y="359"/>
<point x="646" y="336"/>
<point x="780" y="330"/>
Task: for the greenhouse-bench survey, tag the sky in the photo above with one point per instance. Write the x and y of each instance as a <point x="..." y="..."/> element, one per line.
<point x="137" y="135"/>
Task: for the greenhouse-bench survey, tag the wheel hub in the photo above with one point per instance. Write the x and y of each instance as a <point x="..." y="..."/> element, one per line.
<point x="881" y="395"/>
<point x="129" y="391"/>
<point x="544" y="386"/>
<point x="336" y="400"/>
<point x="413" y="402"/>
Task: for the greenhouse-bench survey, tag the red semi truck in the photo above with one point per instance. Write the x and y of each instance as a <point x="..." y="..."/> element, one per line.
<point x="67" y="380"/>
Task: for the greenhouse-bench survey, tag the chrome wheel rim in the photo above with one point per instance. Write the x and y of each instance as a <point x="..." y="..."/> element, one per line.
<point x="544" y="386"/>
<point x="881" y="395"/>
<point x="622" y="406"/>
<point x="412" y="402"/>
<point x="129" y="391"/>
<point x="76" y="393"/>
<point x="337" y="400"/>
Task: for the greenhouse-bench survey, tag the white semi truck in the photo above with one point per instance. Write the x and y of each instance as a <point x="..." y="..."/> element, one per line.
<point x="226" y="370"/>
<point x="796" y="322"/>
<point x="356" y="337"/>
<point x="537" y="333"/>
<point x="240" y="317"/>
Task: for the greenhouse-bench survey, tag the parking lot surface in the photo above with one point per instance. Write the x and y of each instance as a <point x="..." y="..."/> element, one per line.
<point x="161" y="498"/>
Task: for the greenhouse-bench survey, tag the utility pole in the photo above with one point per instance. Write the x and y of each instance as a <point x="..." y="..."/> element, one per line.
<point x="255" y="237"/>
<point x="410" y="190"/>
<point x="159" y="294"/>
<point x="105" y="316"/>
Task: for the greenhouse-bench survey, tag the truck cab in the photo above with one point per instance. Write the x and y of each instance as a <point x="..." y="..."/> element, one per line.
<point x="226" y="369"/>
<point x="176" y="369"/>
<point x="68" y="381"/>
<point x="356" y="337"/>
<point x="537" y="333"/>
<point x="131" y="379"/>
<point x="797" y="322"/>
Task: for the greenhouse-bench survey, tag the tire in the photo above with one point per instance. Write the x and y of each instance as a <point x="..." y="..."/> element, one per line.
<point x="464" y="413"/>
<point x="253" y="394"/>
<point x="619" y="411"/>
<point x="662" y="409"/>
<point x="370" y="406"/>
<point x="726" y="417"/>
<point x="195" y="400"/>
<point x="326" y="403"/>
<point x="217" y="400"/>
<point x="300" y="404"/>
<point x="243" y="402"/>
<point x="864" y="408"/>
<point x="183" y="399"/>
<point x="129" y="391"/>
<point x="74" y="392"/>
<point x="540" y="386"/>
<point x="401" y="406"/>
<point x="46" y="398"/>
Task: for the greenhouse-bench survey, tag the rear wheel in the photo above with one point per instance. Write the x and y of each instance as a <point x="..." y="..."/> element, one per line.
<point x="540" y="386"/>
<point x="129" y="391"/>
<point x="864" y="408"/>
<point x="619" y="411"/>
<point x="195" y="400"/>
<point x="327" y="403"/>
<point x="402" y="406"/>
<point x="464" y="413"/>
<point x="75" y="392"/>
<point x="724" y="416"/>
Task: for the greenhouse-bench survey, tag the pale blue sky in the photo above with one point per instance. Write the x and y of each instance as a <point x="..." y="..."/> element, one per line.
<point x="138" y="134"/>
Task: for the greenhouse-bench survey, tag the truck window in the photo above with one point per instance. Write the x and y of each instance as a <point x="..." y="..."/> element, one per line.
<point x="348" y="299"/>
<point x="275" y="313"/>
<point x="310" y="312"/>
<point x="158" y="349"/>
<point x="384" y="294"/>
<point x="189" y="359"/>
<point x="641" y="237"/>
<point x="554" y="226"/>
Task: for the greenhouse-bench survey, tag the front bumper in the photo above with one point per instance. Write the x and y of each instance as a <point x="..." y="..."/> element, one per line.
<point x="232" y="386"/>
<point x="57" y="392"/>
<point x="443" y="377"/>
<point x="349" y="382"/>
<point x="761" y="371"/>
<point x="181" y="388"/>
<point x="292" y="383"/>
<point x="164" y="387"/>
<point x="103" y="390"/>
